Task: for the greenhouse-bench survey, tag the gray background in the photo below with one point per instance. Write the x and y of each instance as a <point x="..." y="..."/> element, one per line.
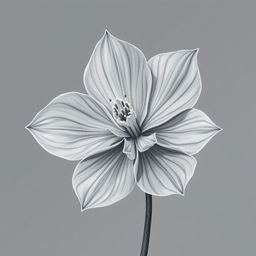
<point x="44" y="47"/>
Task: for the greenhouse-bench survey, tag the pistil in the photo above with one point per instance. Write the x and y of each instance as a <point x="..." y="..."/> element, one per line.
<point x="125" y="116"/>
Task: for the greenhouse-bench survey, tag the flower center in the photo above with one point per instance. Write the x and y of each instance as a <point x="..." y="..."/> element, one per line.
<point x="121" y="110"/>
<point x="125" y="116"/>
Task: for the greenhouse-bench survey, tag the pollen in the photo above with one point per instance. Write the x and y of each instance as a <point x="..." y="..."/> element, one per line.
<point x="121" y="110"/>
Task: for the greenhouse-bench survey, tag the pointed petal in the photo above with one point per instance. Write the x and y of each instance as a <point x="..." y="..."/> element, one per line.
<point x="73" y="126"/>
<point x="103" y="179"/>
<point x="163" y="172"/>
<point x="117" y="68"/>
<point x="146" y="142"/>
<point x="129" y="148"/>
<point x="189" y="131"/>
<point x="176" y="86"/>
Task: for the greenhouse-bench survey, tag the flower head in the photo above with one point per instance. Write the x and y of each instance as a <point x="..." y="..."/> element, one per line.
<point x="134" y="125"/>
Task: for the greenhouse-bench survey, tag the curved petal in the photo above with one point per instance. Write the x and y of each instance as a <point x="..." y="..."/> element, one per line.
<point x="176" y="86"/>
<point x="145" y="142"/>
<point x="73" y="126"/>
<point x="189" y="131"/>
<point x="103" y="179"/>
<point x="129" y="148"/>
<point x="117" y="68"/>
<point x="161" y="172"/>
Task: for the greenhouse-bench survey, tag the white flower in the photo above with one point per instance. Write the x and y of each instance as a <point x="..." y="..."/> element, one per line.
<point x="135" y="125"/>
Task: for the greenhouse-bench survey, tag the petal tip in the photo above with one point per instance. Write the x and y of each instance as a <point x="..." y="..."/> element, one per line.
<point x="182" y="193"/>
<point x="82" y="208"/>
<point x="106" y="33"/>
<point x="219" y="129"/>
<point x="28" y="127"/>
<point x="195" y="52"/>
<point x="82" y="205"/>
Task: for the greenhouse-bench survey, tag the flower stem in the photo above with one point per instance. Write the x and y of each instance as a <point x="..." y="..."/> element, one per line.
<point x="147" y="226"/>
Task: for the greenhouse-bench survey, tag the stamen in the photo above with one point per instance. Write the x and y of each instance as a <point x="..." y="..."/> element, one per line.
<point x="124" y="115"/>
<point x="121" y="110"/>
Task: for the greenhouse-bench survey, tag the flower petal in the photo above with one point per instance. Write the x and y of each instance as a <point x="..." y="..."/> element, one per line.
<point x="117" y="68"/>
<point x="176" y="86"/>
<point x="129" y="148"/>
<point x="103" y="179"/>
<point x="161" y="172"/>
<point x="73" y="126"/>
<point x="146" y="142"/>
<point x="189" y="131"/>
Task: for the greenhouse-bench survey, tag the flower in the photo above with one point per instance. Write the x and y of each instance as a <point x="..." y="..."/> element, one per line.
<point x="134" y="125"/>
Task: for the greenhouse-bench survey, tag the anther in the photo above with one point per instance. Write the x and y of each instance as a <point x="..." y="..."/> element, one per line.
<point x="124" y="114"/>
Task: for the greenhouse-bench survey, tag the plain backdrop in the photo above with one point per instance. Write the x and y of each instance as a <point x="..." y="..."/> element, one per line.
<point x="44" y="48"/>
